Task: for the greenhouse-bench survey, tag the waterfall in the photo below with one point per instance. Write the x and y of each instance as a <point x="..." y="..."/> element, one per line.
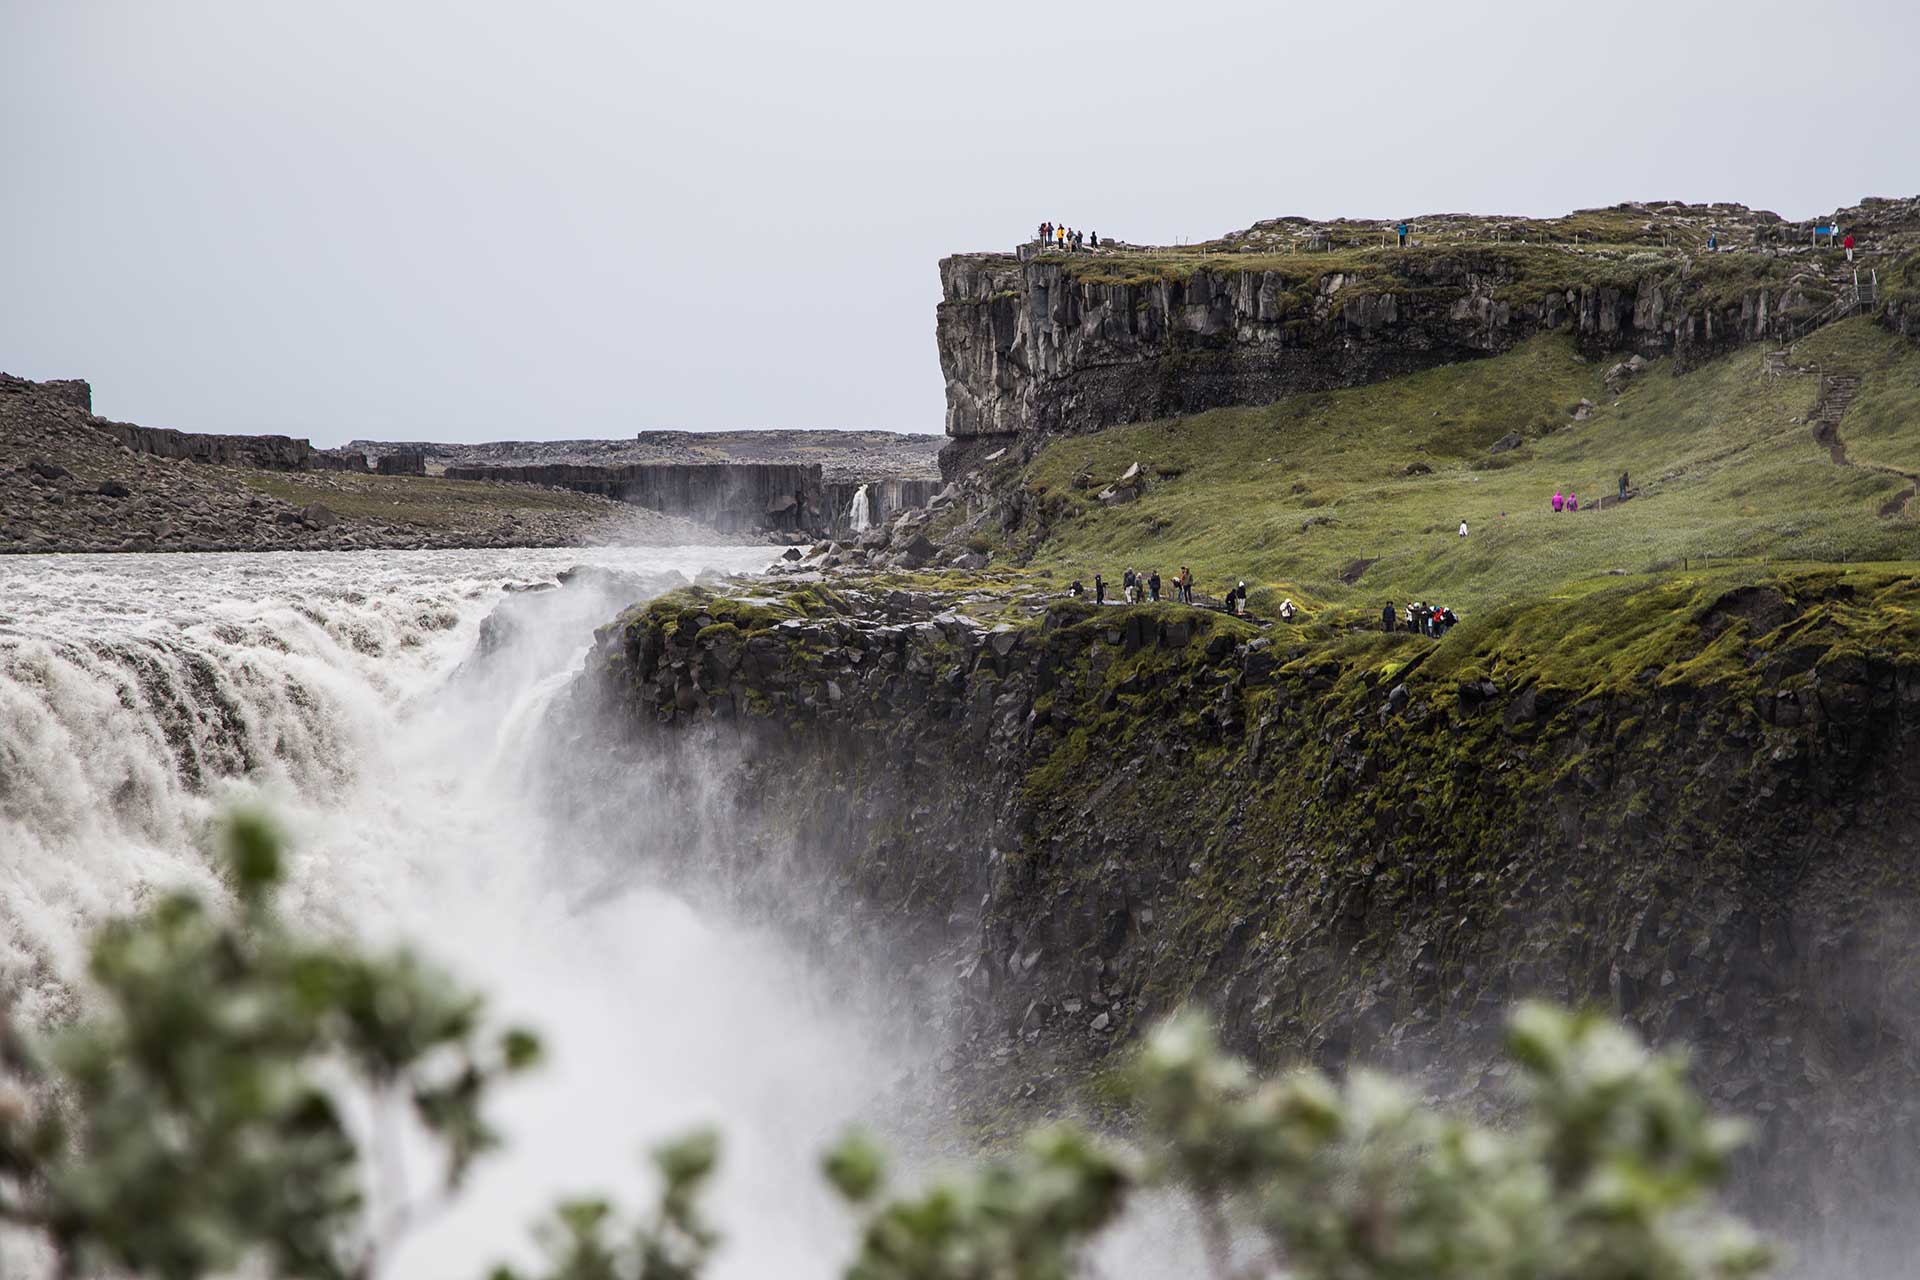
<point x="421" y="782"/>
<point x="860" y="514"/>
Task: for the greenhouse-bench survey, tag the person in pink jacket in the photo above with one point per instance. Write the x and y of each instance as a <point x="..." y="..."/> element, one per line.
<point x="1573" y="502"/>
<point x="1559" y="500"/>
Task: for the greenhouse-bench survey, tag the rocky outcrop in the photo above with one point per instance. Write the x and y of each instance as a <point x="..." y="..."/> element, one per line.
<point x="729" y="497"/>
<point x="1045" y="347"/>
<point x="70" y="482"/>
<point x="350" y="460"/>
<point x="1088" y="816"/>
<point x="263" y="453"/>
<point x="402" y="464"/>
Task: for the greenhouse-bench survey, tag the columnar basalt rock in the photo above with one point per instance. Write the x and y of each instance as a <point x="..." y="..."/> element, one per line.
<point x="727" y="496"/>
<point x="1029" y="347"/>
<point x="1034" y="343"/>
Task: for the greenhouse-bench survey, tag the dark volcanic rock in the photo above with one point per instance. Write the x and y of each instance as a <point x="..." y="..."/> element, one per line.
<point x="1343" y="870"/>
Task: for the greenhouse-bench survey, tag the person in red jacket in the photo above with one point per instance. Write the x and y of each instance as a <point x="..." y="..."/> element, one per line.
<point x="1847" y="244"/>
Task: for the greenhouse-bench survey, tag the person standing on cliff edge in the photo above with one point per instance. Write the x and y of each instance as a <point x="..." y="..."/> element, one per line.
<point x="1402" y="229"/>
<point x="1847" y="244"/>
<point x="1099" y="589"/>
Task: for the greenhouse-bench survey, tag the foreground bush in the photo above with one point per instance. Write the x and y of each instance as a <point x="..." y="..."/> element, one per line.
<point x="195" y="1127"/>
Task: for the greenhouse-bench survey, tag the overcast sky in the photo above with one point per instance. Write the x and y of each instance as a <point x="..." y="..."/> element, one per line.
<point x="491" y="218"/>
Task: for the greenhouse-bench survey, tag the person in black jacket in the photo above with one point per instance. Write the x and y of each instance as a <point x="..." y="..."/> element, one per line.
<point x="1386" y="618"/>
<point x="1153" y="586"/>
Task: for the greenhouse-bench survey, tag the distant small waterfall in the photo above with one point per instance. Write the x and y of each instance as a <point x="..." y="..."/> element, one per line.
<point x="860" y="514"/>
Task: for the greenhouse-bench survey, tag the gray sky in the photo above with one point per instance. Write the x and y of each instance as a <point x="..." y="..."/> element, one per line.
<point x="489" y="218"/>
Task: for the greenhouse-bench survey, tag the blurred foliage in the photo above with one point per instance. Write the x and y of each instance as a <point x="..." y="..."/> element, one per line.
<point x="583" y="1241"/>
<point x="210" y="1114"/>
<point x="197" y="1125"/>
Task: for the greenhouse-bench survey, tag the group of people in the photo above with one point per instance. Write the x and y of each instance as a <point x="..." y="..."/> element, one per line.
<point x="1145" y="588"/>
<point x="1066" y="239"/>
<point x="1422" y="619"/>
<point x="1566" y="501"/>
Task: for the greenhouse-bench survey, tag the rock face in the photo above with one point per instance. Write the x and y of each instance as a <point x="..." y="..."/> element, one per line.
<point x="1028" y="347"/>
<point x="1127" y="808"/>
<point x="886" y="498"/>
<point x="730" y="497"/>
<point x="263" y="453"/>
<point x="1040" y="343"/>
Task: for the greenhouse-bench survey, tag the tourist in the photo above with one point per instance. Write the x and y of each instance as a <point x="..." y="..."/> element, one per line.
<point x="1186" y="585"/>
<point x="1386" y="618"/>
<point x="1126" y="585"/>
<point x="1573" y="502"/>
<point x="1060" y="238"/>
<point x="1240" y="610"/>
<point x="1623" y="486"/>
<point x="1402" y="229"/>
<point x="1559" y="501"/>
<point x="1463" y="528"/>
<point x="1286" y="609"/>
<point x="1093" y="238"/>
<point x="1046" y="232"/>
<point x="1076" y="590"/>
<point x="1848" y="244"/>
<point x="1099" y="589"/>
<point x="1153" y="586"/>
<point x="1713" y="241"/>
<point x="1413" y="612"/>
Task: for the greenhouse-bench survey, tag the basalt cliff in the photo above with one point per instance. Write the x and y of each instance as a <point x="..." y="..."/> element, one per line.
<point x="1036" y="343"/>
<point x="1689" y="805"/>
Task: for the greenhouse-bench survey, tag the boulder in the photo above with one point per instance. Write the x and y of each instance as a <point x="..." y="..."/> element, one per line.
<point x="1130" y="477"/>
<point x="971" y="560"/>
<point x="113" y="489"/>
<point x="918" y="551"/>
<point x="791" y="553"/>
<point x="1511" y="440"/>
<point x="1416" y="469"/>
<point x="48" y="470"/>
<point x="317" y="515"/>
<point x="1583" y="411"/>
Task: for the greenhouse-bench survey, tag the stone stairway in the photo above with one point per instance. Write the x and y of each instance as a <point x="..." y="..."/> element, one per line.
<point x="1837" y="391"/>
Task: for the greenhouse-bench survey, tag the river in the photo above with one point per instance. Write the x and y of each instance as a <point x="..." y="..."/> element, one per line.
<point x="141" y="696"/>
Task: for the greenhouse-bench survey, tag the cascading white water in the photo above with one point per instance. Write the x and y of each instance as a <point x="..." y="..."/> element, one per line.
<point x="860" y="514"/>
<point x="139" y="696"/>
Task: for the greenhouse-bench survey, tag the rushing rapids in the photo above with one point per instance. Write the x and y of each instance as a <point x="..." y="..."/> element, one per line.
<point x="141" y="696"/>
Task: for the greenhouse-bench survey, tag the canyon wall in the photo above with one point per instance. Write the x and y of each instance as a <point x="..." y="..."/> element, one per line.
<point x="1044" y="346"/>
<point x="1357" y="849"/>
<point x="729" y="497"/>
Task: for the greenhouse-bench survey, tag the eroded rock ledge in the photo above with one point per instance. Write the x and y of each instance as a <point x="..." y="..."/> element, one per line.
<point x="1683" y="801"/>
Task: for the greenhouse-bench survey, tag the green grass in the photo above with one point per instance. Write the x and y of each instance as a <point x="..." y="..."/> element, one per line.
<point x="427" y="501"/>
<point x="1292" y="494"/>
<point x="1882" y="426"/>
